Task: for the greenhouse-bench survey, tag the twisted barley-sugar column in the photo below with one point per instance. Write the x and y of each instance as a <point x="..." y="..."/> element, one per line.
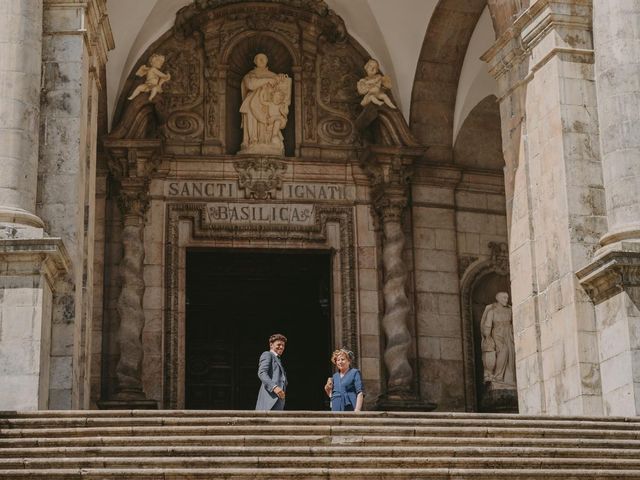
<point x="396" y="303"/>
<point x="129" y="305"/>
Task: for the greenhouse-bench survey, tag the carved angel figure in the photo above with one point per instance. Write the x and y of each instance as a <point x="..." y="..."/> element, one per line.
<point x="373" y="86"/>
<point x="498" y="347"/>
<point x="154" y="78"/>
<point x="266" y="97"/>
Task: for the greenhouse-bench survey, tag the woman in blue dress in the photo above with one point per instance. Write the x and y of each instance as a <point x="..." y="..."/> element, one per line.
<point x="345" y="387"/>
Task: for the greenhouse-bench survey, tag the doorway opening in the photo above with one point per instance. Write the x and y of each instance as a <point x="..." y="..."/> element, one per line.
<point x="234" y="301"/>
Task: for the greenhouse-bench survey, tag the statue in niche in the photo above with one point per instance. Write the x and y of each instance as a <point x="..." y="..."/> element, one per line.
<point x="154" y="77"/>
<point x="498" y="347"/>
<point x="266" y="97"/>
<point x="373" y="86"/>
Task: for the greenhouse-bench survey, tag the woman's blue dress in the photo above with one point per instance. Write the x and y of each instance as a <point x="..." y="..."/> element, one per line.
<point x="346" y="390"/>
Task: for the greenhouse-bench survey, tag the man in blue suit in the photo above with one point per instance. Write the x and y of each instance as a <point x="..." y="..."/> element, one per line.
<point x="272" y="375"/>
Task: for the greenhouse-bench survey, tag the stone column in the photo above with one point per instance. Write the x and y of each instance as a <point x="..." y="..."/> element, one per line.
<point x="132" y="162"/>
<point x="20" y="69"/>
<point x="613" y="278"/>
<point x="616" y="38"/>
<point x="389" y="172"/>
<point x="544" y="68"/>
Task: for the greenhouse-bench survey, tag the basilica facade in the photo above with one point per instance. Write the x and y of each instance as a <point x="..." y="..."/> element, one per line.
<point x="450" y="190"/>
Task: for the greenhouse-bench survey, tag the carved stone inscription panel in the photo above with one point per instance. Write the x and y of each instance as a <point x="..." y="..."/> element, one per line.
<point x="296" y="191"/>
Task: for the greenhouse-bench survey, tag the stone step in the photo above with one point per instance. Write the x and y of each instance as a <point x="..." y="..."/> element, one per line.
<point x="355" y="420"/>
<point x="413" y="416"/>
<point x="151" y="445"/>
<point x="339" y="430"/>
<point x="316" y="474"/>
<point x="314" y="440"/>
<point x="328" y="451"/>
<point x="346" y="462"/>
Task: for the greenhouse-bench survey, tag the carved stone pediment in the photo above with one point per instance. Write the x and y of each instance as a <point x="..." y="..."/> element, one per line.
<point x="260" y="177"/>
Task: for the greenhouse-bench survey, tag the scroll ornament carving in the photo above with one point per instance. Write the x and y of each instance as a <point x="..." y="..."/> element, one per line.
<point x="260" y="177"/>
<point x="498" y="346"/>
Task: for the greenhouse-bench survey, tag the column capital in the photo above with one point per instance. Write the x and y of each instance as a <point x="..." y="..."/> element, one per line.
<point x="389" y="170"/>
<point x="612" y="273"/>
<point x="545" y="29"/>
<point x="133" y="158"/>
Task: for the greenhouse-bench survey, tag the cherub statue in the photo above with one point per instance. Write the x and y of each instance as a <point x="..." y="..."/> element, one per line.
<point x="154" y="78"/>
<point x="373" y="85"/>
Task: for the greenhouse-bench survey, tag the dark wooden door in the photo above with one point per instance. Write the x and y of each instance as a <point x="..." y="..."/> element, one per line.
<point x="235" y="300"/>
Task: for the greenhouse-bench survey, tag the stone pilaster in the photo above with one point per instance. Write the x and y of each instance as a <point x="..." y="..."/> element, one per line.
<point x="555" y="201"/>
<point x="75" y="41"/>
<point x="389" y="170"/>
<point x="131" y="164"/>
<point x="613" y="278"/>
<point x="29" y="268"/>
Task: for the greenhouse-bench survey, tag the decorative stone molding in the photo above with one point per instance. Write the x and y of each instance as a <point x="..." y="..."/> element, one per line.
<point x="202" y="230"/>
<point x="612" y="273"/>
<point x="22" y="256"/>
<point x="260" y="177"/>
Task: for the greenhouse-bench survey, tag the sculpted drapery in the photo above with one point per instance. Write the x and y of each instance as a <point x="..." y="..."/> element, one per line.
<point x="266" y="97"/>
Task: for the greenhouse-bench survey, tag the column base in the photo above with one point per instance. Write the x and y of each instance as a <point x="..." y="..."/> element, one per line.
<point x="128" y="405"/>
<point x="404" y="403"/>
<point x="499" y="401"/>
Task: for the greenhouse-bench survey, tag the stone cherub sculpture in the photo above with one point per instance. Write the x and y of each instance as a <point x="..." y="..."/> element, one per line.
<point x="373" y="86"/>
<point x="266" y="97"/>
<point x="154" y="77"/>
<point x="498" y="347"/>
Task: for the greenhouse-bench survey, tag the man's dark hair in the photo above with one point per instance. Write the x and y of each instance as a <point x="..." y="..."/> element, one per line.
<point x="277" y="336"/>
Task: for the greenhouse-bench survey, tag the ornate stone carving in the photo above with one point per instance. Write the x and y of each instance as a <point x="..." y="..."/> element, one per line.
<point x="266" y="97"/>
<point x="154" y="78"/>
<point x="260" y="177"/>
<point x="374" y="86"/>
<point x="389" y="176"/>
<point x="612" y="273"/>
<point x="500" y="257"/>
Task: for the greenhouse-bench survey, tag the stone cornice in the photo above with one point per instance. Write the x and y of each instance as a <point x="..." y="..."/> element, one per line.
<point x="612" y="273"/>
<point x="534" y="25"/>
<point x="47" y="255"/>
<point x="91" y="21"/>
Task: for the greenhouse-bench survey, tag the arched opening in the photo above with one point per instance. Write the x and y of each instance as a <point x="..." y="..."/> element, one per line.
<point x="240" y="62"/>
<point x="479" y="142"/>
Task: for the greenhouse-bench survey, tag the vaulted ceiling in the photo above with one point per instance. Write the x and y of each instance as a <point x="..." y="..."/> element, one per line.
<point x="393" y="31"/>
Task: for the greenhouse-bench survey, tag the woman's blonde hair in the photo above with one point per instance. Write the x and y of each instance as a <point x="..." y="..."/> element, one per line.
<point x="342" y="351"/>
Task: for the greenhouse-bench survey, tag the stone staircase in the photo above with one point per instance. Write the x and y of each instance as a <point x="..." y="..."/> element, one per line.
<point x="235" y="445"/>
